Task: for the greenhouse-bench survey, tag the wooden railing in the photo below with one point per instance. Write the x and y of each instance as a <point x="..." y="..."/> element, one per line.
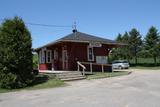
<point x="83" y="67"/>
<point x="91" y="65"/>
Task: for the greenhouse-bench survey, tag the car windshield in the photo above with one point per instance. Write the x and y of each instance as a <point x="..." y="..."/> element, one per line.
<point x="124" y="61"/>
<point x="120" y="61"/>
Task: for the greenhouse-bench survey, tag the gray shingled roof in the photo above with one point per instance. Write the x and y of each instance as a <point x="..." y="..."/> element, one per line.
<point x="78" y="36"/>
<point x="81" y="37"/>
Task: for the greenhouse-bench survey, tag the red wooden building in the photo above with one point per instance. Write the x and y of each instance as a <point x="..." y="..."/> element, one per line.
<point x="64" y="53"/>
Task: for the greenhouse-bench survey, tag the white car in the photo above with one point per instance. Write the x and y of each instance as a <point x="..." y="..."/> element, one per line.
<point x="120" y="64"/>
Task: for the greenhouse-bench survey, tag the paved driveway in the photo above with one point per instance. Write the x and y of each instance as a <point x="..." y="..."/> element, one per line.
<point x="139" y="89"/>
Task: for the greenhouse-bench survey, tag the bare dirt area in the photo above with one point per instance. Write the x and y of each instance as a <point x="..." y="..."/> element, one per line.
<point x="139" y="89"/>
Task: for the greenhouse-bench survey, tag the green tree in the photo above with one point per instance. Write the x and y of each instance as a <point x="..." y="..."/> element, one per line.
<point x="15" y="54"/>
<point x="123" y="51"/>
<point x="125" y="48"/>
<point x="135" y="43"/>
<point x="35" y="61"/>
<point x="152" y="43"/>
<point x="119" y="38"/>
<point x="116" y="52"/>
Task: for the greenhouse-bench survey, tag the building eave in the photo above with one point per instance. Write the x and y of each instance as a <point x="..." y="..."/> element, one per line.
<point x="79" y="37"/>
<point x="75" y="41"/>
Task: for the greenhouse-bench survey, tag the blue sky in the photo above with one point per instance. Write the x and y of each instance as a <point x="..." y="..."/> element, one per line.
<point x="104" y="18"/>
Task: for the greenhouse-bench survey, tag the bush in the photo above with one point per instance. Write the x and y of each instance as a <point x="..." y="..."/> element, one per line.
<point x="15" y="54"/>
<point x="35" y="61"/>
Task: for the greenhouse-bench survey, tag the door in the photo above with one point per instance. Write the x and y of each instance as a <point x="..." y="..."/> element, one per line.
<point x="55" y="60"/>
<point x="64" y="60"/>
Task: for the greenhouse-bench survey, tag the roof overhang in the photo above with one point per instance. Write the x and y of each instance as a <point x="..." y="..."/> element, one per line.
<point x="76" y="41"/>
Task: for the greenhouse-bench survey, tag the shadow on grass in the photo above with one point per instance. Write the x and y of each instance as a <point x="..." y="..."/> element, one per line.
<point x="39" y="79"/>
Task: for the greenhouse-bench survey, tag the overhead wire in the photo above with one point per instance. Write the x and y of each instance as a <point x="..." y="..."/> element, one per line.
<point x="44" y="25"/>
<point x="47" y="25"/>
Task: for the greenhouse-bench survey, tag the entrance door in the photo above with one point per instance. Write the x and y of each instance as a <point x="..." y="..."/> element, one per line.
<point x="64" y="60"/>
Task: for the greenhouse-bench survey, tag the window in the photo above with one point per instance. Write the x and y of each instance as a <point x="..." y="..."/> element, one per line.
<point x="90" y="54"/>
<point x="101" y="59"/>
<point x="40" y="57"/>
<point x="48" y="56"/>
<point x="43" y="57"/>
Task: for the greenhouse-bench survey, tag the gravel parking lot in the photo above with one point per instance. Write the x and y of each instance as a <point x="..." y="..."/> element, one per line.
<point x="139" y="89"/>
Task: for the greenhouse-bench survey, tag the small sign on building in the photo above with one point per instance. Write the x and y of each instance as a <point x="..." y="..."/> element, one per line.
<point x="95" y="44"/>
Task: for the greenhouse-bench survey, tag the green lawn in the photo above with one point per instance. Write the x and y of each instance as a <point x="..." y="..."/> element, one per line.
<point x="97" y="75"/>
<point x="147" y="61"/>
<point x="143" y="67"/>
<point x="42" y="81"/>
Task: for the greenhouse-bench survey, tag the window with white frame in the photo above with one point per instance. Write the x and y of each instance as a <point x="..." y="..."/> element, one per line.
<point x="48" y="56"/>
<point x="41" y="56"/>
<point x="90" y="54"/>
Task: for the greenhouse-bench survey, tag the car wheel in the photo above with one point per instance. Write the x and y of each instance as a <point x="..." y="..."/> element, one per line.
<point x="120" y="67"/>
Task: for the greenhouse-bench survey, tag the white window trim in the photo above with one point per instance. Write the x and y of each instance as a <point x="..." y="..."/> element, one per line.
<point x="40" y="57"/>
<point x="92" y="53"/>
<point x="43" y="57"/>
<point x="48" y="51"/>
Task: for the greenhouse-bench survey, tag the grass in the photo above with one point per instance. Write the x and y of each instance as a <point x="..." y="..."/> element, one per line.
<point x="6" y="90"/>
<point x="42" y="81"/>
<point x="46" y="81"/>
<point x="97" y="75"/>
<point x="145" y="63"/>
<point x="144" y="67"/>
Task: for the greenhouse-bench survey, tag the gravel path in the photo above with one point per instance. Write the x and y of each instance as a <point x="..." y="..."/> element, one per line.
<point x="139" y="89"/>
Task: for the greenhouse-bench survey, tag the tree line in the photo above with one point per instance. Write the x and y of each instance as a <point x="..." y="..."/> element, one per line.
<point x="134" y="46"/>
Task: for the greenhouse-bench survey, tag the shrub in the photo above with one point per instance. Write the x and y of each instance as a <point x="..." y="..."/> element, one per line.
<point x="15" y="54"/>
